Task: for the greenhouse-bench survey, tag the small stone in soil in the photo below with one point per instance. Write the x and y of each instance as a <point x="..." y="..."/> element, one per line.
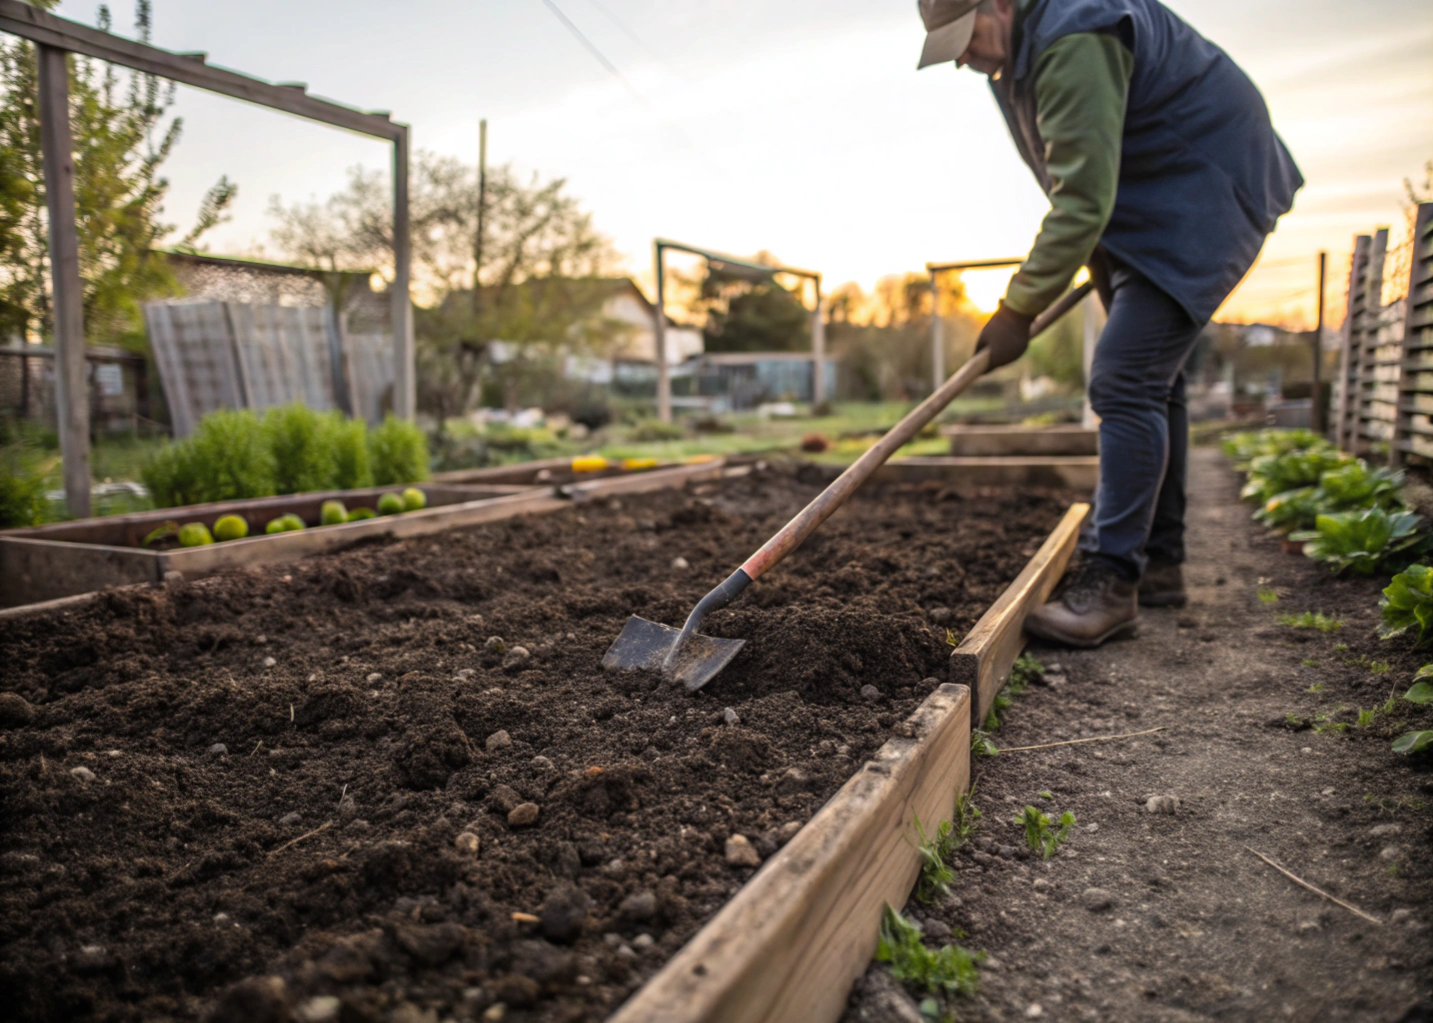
<point x="562" y="913"/>
<point x="269" y="662"/>
<point x="741" y="853"/>
<point x="793" y="780"/>
<point x="320" y="1009"/>
<point x="1097" y="900"/>
<point x="788" y="831"/>
<point x="870" y="693"/>
<point x="939" y="615"/>
<point x="375" y="676"/>
<point x="937" y="930"/>
<point x="218" y="749"/>
<point x="638" y="907"/>
<point x="542" y="763"/>
<point x="1400" y="916"/>
<point x="1385" y="830"/>
<point x="681" y="564"/>
<point x="464" y="674"/>
<point x="524" y="815"/>
<point x="288" y="820"/>
<point x="495" y="645"/>
<point x="643" y="941"/>
<point x="1391" y="852"/>
<point x="82" y="773"/>
<point x="1162" y="804"/>
<point x="15" y="711"/>
<point x="731" y="717"/>
<point x="467" y="842"/>
<point x="516" y="656"/>
<point x="498" y="740"/>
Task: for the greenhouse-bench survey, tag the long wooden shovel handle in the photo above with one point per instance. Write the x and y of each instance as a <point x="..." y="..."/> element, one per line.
<point x="824" y="505"/>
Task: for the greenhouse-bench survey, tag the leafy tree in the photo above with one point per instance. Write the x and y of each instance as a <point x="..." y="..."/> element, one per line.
<point x="752" y="316"/>
<point x="122" y="135"/>
<point x="538" y="285"/>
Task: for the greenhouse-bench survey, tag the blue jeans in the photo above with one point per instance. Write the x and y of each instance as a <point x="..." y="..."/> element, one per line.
<point x="1136" y="387"/>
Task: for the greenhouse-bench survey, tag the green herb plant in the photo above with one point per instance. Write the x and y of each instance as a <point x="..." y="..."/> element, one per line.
<point x="1361" y="541"/>
<point x="1407" y="605"/>
<point x="1268" y="596"/>
<point x="1421" y="694"/>
<point x="944" y="973"/>
<point x="936" y="873"/>
<point x="1043" y="835"/>
<point x="981" y="745"/>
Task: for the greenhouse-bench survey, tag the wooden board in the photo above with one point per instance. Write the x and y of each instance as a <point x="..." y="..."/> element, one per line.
<point x="987" y="441"/>
<point x="644" y="482"/>
<point x="982" y="660"/>
<point x="789" y="945"/>
<point x="1072" y="472"/>
<point x="35" y="570"/>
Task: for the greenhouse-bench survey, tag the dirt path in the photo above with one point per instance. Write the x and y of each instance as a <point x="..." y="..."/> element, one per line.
<point x="1148" y="915"/>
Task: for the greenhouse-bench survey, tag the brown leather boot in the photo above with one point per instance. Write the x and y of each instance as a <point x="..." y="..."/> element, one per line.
<point x="1163" y="585"/>
<point x="1095" y="605"/>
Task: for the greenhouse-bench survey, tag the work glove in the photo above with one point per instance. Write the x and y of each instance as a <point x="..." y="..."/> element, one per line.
<point x="1007" y="335"/>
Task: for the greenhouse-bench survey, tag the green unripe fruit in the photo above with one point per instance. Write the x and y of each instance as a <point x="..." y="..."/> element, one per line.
<point x="359" y="514"/>
<point x="390" y="504"/>
<point x="413" y="499"/>
<point x="332" y="513"/>
<point x="231" y="527"/>
<point x="194" y="534"/>
<point x="291" y="522"/>
<point x="276" y="525"/>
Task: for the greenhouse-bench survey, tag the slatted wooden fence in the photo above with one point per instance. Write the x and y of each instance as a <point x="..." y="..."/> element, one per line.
<point x="215" y="355"/>
<point x="1384" y="391"/>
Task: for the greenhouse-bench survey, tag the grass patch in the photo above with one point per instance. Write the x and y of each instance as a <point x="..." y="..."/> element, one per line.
<point x="1311" y="620"/>
<point x="945" y="972"/>
<point x="1267" y="595"/>
<point x="1317" y="687"/>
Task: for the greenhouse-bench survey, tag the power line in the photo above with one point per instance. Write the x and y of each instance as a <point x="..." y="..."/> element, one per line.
<point x="622" y="27"/>
<point x="591" y="48"/>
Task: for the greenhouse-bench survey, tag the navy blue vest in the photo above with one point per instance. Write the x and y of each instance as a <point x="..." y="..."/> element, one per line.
<point x="1203" y="176"/>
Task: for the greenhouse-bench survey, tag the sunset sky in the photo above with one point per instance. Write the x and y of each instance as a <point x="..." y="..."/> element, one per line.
<point x="800" y="126"/>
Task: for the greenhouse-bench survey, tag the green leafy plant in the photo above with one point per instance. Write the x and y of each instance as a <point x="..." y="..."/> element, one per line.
<point x="1025" y="670"/>
<point x="398" y="452"/>
<point x="1354" y="485"/>
<point x="1310" y="620"/>
<point x="1293" y="509"/>
<point x="1267" y="596"/>
<point x="22" y="485"/>
<point x="967" y="818"/>
<point x="1360" y="541"/>
<point x="348" y="446"/>
<point x="1041" y="834"/>
<point x="225" y="459"/>
<point x="951" y="970"/>
<point x="936" y="873"/>
<point x="301" y="441"/>
<point x="1243" y="448"/>
<point x="981" y="745"/>
<point x="1407" y="605"/>
<point x="1421" y="692"/>
<point x="1413" y="742"/>
<point x="1272" y="475"/>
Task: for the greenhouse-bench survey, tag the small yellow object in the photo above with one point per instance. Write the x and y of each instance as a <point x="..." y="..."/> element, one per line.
<point x="638" y="464"/>
<point x="698" y="459"/>
<point x="589" y="463"/>
<point x="524" y="918"/>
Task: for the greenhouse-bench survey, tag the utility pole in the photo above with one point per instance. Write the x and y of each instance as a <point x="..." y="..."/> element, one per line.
<point x="482" y="213"/>
<point x="937" y="340"/>
<point x="1316" y="411"/>
<point x="659" y="333"/>
<point x="818" y="348"/>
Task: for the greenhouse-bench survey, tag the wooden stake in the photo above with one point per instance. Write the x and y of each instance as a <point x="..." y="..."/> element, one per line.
<point x="1317" y="891"/>
<point x="1076" y="742"/>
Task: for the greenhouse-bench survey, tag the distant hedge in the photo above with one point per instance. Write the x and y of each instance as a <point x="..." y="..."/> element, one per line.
<point x="292" y="449"/>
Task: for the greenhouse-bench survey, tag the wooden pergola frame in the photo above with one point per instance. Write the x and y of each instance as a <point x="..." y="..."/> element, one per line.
<point x="937" y="341"/>
<point x="54" y="39"/>
<point x="742" y="267"/>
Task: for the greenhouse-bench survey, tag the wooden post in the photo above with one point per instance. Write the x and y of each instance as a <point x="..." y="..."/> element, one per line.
<point x="659" y="333"/>
<point x="482" y="214"/>
<point x="818" y="350"/>
<point x="1413" y="429"/>
<point x="937" y="338"/>
<point x="68" y="300"/>
<point x="1316" y="407"/>
<point x="1366" y="347"/>
<point x="405" y="392"/>
<point x="1346" y="396"/>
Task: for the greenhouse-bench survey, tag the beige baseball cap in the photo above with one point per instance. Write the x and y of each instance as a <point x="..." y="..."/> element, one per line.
<point x="949" y="25"/>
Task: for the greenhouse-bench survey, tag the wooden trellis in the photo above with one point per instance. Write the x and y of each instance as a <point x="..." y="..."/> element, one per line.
<point x="1413" y="430"/>
<point x="1385" y="385"/>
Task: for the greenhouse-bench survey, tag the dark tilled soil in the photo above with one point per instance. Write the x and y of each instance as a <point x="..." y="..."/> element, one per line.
<point x="1167" y="916"/>
<point x="255" y="797"/>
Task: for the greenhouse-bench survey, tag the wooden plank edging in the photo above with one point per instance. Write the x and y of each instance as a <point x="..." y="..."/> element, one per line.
<point x="983" y="659"/>
<point x="789" y="945"/>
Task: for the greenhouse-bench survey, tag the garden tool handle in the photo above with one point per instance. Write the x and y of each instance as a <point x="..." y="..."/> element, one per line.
<point x="824" y="505"/>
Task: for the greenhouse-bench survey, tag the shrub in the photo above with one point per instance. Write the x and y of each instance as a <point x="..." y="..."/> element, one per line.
<point x="398" y="452"/>
<point x="1408" y="604"/>
<point x="656" y="430"/>
<point x="302" y="444"/>
<point x="348" y="444"/>
<point x="1360" y="540"/>
<point x="22" y="486"/>
<point x="227" y="458"/>
<point x="1243" y="448"/>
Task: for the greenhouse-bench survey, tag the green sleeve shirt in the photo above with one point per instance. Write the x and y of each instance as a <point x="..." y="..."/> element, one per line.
<point x="1081" y="86"/>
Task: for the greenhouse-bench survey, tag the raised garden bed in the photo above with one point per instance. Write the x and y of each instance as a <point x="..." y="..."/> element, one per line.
<point x="68" y="558"/>
<point x="990" y="441"/>
<point x="366" y="723"/>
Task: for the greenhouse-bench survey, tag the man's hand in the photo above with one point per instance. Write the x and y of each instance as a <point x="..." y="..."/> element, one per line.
<point x="1007" y="335"/>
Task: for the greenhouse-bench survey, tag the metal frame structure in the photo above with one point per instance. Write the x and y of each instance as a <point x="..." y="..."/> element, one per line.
<point x="54" y="39"/>
<point x="741" y="268"/>
<point x="937" y="340"/>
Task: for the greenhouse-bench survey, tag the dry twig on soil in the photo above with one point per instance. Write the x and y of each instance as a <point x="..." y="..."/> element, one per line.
<point x="1076" y="742"/>
<point x="1317" y="891"/>
<point x="295" y="841"/>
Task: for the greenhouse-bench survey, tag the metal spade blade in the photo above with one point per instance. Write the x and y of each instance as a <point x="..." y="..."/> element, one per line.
<point x="653" y="646"/>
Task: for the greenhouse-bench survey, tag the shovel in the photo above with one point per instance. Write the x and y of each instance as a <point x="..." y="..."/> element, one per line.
<point x="693" y="659"/>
